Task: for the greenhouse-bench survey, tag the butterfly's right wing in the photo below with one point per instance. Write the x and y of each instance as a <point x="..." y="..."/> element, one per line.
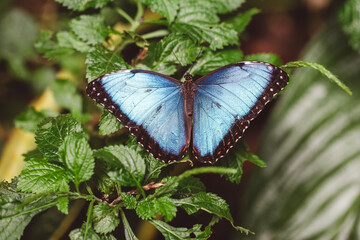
<point x="150" y="104"/>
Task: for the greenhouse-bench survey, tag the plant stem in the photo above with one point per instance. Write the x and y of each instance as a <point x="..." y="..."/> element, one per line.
<point x="140" y="12"/>
<point x="125" y="15"/>
<point x="88" y="219"/>
<point x="155" y="34"/>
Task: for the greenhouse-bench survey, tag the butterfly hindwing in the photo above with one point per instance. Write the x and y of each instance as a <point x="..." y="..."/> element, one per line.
<point x="150" y="104"/>
<point x="226" y="100"/>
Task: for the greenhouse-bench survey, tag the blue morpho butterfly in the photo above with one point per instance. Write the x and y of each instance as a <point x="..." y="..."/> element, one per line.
<point x="210" y="114"/>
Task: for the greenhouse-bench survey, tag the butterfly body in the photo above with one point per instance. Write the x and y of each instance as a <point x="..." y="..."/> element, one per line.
<point x="210" y="113"/>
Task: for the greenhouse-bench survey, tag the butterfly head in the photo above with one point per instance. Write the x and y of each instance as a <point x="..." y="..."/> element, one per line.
<point x="188" y="77"/>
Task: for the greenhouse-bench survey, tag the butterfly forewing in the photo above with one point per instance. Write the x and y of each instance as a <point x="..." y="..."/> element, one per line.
<point x="225" y="102"/>
<point x="151" y="105"/>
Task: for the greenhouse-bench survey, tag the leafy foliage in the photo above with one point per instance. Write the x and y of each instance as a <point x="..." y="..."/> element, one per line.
<point x="70" y="159"/>
<point x="349" y="17"/>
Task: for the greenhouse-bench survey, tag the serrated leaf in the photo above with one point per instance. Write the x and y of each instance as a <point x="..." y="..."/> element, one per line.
<point x="225" y="6"/>
<point x="235" y="160"/>
<point x="240" y="21"/>
<point x="175" y="48"/>
<point x="264" y="57"/>
<point x="167" y="8"/>
<point x="128" y="200"/>
<point x="211" y="61"/>
<point x="105" y="218"/>
<point x="146" y="209"/>
<point x="90" y="28"/>
<point x="81" y="5"/>
<point x="208" y="202"/>
<point x="69" y="40"/>
<point x="103" y="182"/>
<point x="77" y="156"/>
<point x="198" y="20"/>
<point x="174" y="233"/>
<point x="349" y="17"/>
<point x="165" y="207"/>
<point x="128" y="164"/>
<point x="63" y="202"/>
<point x="29" y="119"/>
<point x="51" y="133"/>
<point x="14" y="214"/>
<point x="108" y="123"/>
<point x="40" y="176"/>
<point x="100" y="61"/>
<point x="153" y="167"/>
<point x="48" y="47"/>
<point x="66" y="95"/>
<point x="189" y="186"/>
<point x="84" y="233"/>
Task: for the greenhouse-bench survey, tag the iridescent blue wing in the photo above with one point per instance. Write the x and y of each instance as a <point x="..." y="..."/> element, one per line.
<point x="150" y="104"/>
<point x="225" y="102"/>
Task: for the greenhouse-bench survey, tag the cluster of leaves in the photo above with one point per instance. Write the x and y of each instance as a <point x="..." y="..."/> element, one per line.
<point x="65" y="167"/>
<point x="349" y="17"/>
<point x="116" y="177"/>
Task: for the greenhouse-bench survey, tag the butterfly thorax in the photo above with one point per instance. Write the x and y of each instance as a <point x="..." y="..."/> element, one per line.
<point x="189" y="88"/>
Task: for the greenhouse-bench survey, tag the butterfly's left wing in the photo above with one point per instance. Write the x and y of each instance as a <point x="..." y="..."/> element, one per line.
<point x="226" y="100"/>
<point x="151" y="105"/>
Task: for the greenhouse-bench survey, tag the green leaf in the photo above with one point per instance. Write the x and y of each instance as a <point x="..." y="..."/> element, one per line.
<point x="51" y="133"/>
<point x="69" y="40"/>
<point x="103" y="182"/>
<point x="211" y="61"/>
<point x="90" y="28"/>
<point x="226" y="6"/>
<point x="189" y="186"/>
<point x="264" y="57"/>
<point x="198" y="20"/>
<point x="14" y="214"/>
<point x="18" y="32"/>
<point x="322" y="70"/>
<point x="208" y="202"/>
<point x="108" y="123"/>
<point x="29" y="119"/>
<point x="84" y="234"/>
<point x="167" y="8"/>
<point x="48" y="47"/>
<point x="77" y="156"/>
<point x="173" y="233"/>
<point x="100" y="61"/>
<point x="130" y="164"/>
<point x="66" y="96"/>
<point x="165" y="207"/>
<point x="235" y="160"/>
<point x="146" y="209"/>
<point x="349" y="17"/>
<point x="175" y="48"/>
<point x="105" y="218"/>
<point x="128" y="200"/>
<point x="63" y="202"/>
<point x="40" y="176"/>
<point x="80" y="5"/>
<point x="88" y="233"/>
<point x="129" y="234"/>
<point x="240" y="21"/>
<point x="153" y="167"/>
<point x="172" y="182"/>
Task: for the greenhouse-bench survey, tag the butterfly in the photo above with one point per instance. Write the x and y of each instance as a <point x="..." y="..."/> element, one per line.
<point x="208" y="115"/>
